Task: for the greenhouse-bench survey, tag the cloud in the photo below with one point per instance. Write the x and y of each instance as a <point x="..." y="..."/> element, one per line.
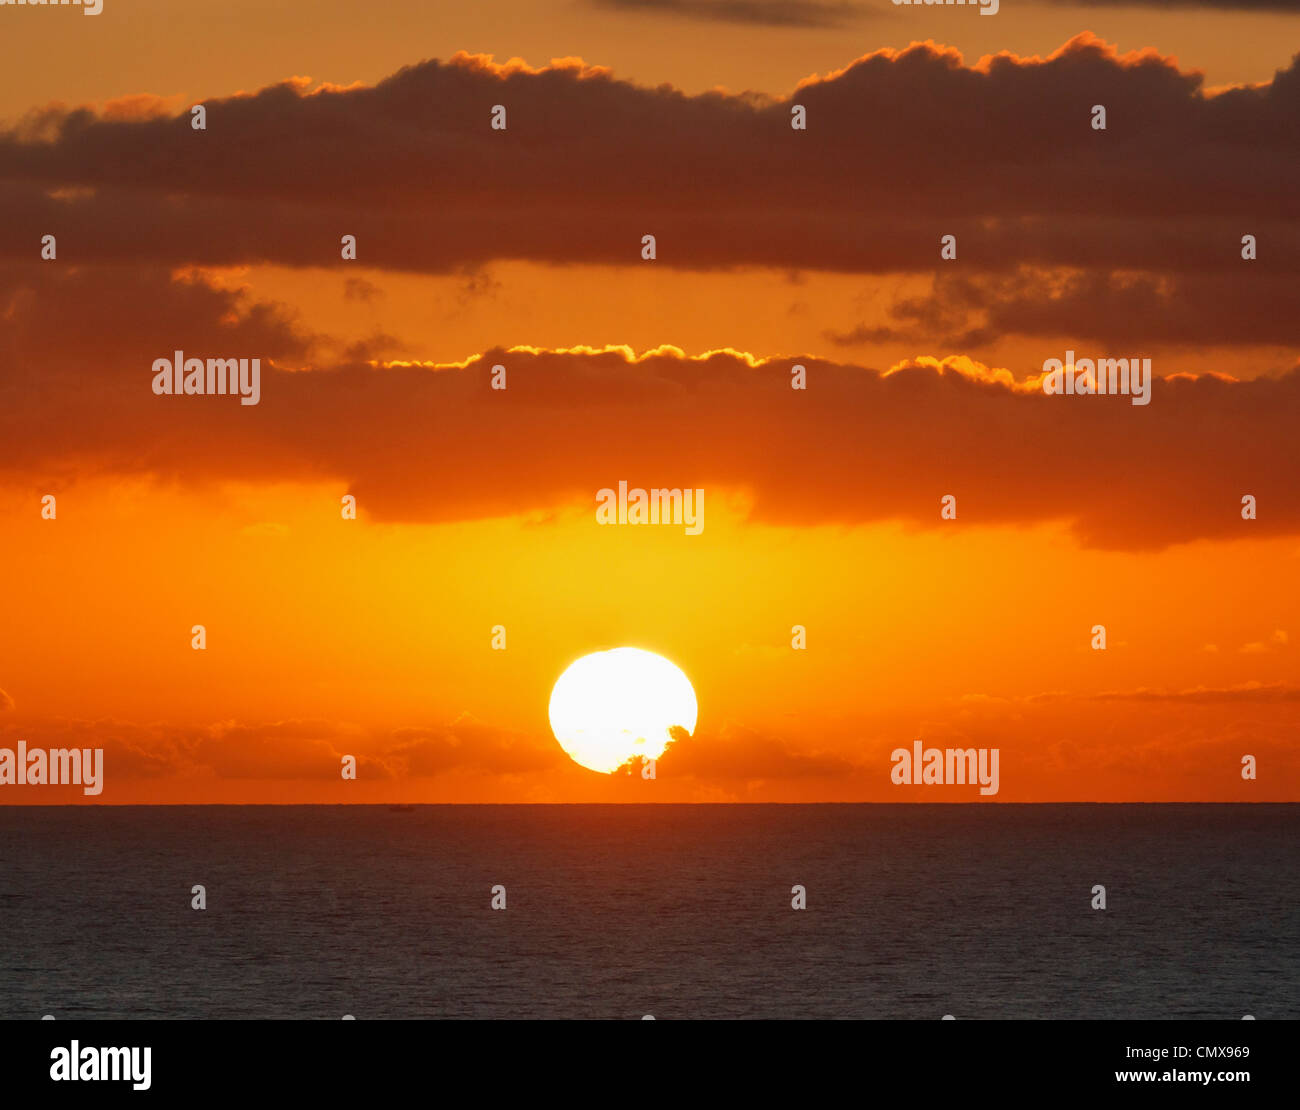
<point x="1262" y="692"/>
<point x="590" y="163"/>
<point x="281" y="750"/>
<point x="1111" y="307"/>
<point x="737" y="754"/>
<point x="358" y="289"/>
<point x="763" y="13"/>
<point x="1130" y="745"/>
<point x="1246" y="692"/>
<point x="1278" y="640"/>
<point x="132" y="750"/>
<point x="420" y="442"/>
<point x="467" y="744"/>
<point x="292" y="750"/>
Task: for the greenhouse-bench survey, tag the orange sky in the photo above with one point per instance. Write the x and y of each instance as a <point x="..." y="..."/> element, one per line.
<point x="373" y="637"/>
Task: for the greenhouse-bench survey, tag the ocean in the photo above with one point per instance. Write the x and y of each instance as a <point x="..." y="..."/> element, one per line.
<point x="676" y="911"/>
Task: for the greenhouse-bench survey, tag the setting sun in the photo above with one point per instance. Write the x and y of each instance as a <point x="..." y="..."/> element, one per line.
<point x="613" y="706"/>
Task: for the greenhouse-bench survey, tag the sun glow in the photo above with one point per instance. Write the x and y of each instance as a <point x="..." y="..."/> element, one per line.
<point x="612" y="706"/>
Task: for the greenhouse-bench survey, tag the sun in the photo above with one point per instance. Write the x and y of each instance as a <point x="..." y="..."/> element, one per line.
<point x="611" y="706"/>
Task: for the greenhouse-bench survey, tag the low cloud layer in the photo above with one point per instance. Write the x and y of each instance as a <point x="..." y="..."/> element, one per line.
<point x="1184" y="746"/>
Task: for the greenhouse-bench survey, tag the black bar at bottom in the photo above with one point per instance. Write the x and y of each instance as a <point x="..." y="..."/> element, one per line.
<point x="1231" y="1061"/>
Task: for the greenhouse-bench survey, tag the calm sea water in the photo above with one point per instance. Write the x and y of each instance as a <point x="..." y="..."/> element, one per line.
<point x="678" y="911"/>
